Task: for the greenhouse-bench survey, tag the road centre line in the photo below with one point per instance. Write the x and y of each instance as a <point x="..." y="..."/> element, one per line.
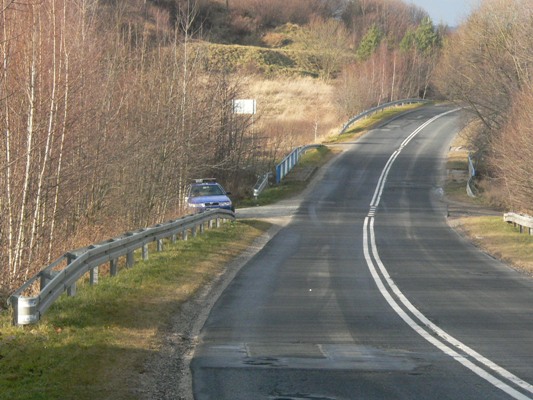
<point x="423" y="324"/>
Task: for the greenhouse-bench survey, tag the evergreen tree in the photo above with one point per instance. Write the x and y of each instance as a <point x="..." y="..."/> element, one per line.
<point x="369" y="43"/>
<point x="425" y="38"/>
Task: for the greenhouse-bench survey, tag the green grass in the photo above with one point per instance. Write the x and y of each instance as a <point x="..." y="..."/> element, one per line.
<point x="95" y="345"/>
<point x="278" y="192"/>
<point x="456" y="191"/>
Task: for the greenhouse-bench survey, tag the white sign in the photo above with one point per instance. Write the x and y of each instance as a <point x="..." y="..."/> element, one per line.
<point x="246" y="106"/>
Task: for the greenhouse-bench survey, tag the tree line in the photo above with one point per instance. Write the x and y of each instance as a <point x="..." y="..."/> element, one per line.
<point x="104" y="121"/>
<point x="486" y="66"/>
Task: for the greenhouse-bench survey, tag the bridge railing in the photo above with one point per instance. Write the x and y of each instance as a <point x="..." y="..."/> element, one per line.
<point x="289" y="162"/>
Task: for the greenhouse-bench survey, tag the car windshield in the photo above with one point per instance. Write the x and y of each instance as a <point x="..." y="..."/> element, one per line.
<point x="206" y="190"/>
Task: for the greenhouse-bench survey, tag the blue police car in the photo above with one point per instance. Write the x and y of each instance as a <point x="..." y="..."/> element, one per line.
<point x="205" y="194"/>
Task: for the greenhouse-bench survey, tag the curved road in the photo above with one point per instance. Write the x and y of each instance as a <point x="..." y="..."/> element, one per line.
<point x="368" y="294"/>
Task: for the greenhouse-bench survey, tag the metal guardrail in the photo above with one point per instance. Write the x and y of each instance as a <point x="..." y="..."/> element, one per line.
<point x="374" y="110"/>
<point x="261" y="184"/>
<point x="471" y="176"/>
<point x="53" y="282"/>
<point x="520" y="220"/>
<point x="289" y="162"/>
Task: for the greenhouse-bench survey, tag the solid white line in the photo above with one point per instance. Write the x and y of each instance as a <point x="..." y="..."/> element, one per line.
<point x="384" y="173"/>
<point x="418" y="329"/>
<point x="448" y="338"/>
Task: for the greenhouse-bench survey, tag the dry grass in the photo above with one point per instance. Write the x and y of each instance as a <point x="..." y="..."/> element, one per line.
<point x="500" y="239"/>
<point x="299" y="107"/>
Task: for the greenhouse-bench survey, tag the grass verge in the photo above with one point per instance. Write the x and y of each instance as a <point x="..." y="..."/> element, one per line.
<point x="501" y="240"/>
<point x="489" y="233"/>
<point x="95" y="345"/>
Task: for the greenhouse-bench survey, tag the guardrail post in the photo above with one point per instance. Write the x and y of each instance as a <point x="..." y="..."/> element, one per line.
<point x="130" y="261"/>
<point x="145" y="252"/>
<point x="159" y="245"/>
<point x="185" y="234"/>
<point x="210" y="224"/>
<point x="174" y="238"/>
<point x="93" y="276"/>
<point x="194" y="229"/>
<point x="217" y="224"/>
<point x="202" y="228"/>
<point x="71" y="290"/>
<point x="113" y="264"/>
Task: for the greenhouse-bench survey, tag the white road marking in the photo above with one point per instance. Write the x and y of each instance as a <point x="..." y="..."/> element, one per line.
<point x="445" y="340"/>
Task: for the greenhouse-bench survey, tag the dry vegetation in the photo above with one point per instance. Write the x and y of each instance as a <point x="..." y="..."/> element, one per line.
<point x="486" y="66"/>
<point x="108" y="108"/>
<point x="295" y="109"/>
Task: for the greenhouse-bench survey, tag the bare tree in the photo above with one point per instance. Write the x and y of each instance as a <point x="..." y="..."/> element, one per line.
<point x="512" y="154"/>
<point x="328" y="40"/>
<point x="486" y="63"/>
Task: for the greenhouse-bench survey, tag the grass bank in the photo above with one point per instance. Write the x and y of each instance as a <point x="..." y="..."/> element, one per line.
<point x="500" y="239"/>
<point x="95" y="345"/>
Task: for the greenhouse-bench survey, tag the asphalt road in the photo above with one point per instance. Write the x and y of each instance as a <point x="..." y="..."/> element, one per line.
<point x="368" y="294"/>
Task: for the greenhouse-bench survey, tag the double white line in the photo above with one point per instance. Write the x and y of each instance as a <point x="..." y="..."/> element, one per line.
<point x="483" y="367"/>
